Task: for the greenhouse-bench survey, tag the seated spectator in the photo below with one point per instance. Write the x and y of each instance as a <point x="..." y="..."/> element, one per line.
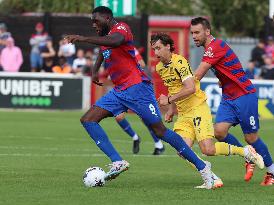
<point x="62" y="67"/>
<point x="79" y="62"/>
<point x="37" y="42"/>
<point x="48" y="65"/>
<point x="66" y="50"/>
<point x="268" y="69"/>
<point x="252" y="72"/>
<point x="11" y="57"/>
<point x="87" y="68"/>
<point x="258" y="53"/>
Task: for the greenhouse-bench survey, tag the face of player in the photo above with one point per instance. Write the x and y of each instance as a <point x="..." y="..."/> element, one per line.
<point x="199" y="34"/>
<point x="161" y="51"/>
<point x="100" y="24"/>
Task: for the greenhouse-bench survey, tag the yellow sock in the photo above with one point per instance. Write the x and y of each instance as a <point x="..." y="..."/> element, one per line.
<point x="223" y="148"/>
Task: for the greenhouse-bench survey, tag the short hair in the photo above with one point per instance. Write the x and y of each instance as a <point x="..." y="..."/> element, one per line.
<point x="103" y="10"/>
<point x="201" y="20"/>
<point x="164" y="38"/>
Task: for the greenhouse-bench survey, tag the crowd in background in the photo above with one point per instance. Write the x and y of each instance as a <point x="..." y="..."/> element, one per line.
<point x="261" y="64"/>
<point x="68" y="59"/>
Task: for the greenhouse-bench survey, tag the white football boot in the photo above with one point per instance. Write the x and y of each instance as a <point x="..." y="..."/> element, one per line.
<point x="218" y="183"/>
<point x="116" y="168"/>
<point x="252" y="156"/>
<point x="207" y="176"/>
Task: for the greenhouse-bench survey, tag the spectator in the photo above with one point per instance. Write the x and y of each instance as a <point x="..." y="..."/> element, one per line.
<point x="48" y="64"/>
<point x="79" y="62"/>
<point x="37" y="42"/>
<point x="87" y="68"/>
<point x="47" y="53"/>
<point x="268" y="68"/>
<point x="4" y="35"/>
<point x="258" y="53"/>
<point x="269" y="49"/>
<point x="63" y="66"/>
<point x="11" y="57"/>
<point x="66" y="50"/>
<point x="252" y="72"/>
<point x="89" y="54"/>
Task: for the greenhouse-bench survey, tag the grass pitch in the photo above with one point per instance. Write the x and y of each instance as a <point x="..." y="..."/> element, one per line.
<point x="43" y="156"/>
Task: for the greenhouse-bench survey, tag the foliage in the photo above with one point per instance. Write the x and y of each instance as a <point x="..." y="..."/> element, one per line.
<point x="233" y="17"/>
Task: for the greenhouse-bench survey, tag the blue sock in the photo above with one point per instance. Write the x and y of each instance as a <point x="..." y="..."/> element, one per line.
<point x="124" y="124"/>
<point x="155" y="138"/>
<point x="96" y="132"/>
<point x="230" y="139"/>
<point x="261" y="148"/>
<point x="182" y="148"/>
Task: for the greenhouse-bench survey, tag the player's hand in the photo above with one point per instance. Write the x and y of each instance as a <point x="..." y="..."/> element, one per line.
<point x="220" y="84"/>
<point x="163" y="100"/>
<point x="95" y="79"/>
<point x="72" y="38"/>
<point x="169" y="116"/>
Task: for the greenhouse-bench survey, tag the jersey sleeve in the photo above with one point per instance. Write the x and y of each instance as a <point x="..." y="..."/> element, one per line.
<point x="183" y="69"/>
<point x="213" y="54"/>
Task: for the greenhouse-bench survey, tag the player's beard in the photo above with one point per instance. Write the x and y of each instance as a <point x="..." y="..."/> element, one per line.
<point x="104" y="30"/>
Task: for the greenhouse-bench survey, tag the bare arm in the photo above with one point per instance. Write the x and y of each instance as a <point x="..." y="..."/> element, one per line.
<point x="202" y="70"/>
<point x="187" y="90"/>
<point x="113" y="40"/>
<point x="97" y="63"/>
<point x="95" y="69"/>
<point x="170" y="112"/>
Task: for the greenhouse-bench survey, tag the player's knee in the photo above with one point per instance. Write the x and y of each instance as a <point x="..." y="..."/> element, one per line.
<point x="159" y="129"/>
<point x="120" y="117"/>
<point x="251" y="138"/>
<point x="219" y="133"/>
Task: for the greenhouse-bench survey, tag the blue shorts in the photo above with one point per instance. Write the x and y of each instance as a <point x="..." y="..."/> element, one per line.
<point x="139" y="98"/>
<point x="243" y="111"/>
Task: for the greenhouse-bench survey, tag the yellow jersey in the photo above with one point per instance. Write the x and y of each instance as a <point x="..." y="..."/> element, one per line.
<point x="173" y="74"/>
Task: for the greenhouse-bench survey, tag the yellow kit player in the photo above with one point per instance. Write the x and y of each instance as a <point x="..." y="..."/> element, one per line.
<point x="194" y="117"/>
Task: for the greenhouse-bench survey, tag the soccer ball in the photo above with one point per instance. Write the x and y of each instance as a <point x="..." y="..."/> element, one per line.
<point x="94" y="177"/>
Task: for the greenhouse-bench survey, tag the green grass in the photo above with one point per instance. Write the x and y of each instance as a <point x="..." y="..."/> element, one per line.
<point x="43" y="156"/>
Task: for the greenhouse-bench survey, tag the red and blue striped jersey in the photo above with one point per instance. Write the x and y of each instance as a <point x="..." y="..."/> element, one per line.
<point x="228" y="69"/>
<point x="120" y="62"/>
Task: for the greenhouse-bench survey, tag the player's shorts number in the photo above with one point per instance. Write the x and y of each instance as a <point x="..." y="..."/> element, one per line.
<point x="197" y="121"/>
<point x="152" y="109"/>
<point x="252" y="121"/>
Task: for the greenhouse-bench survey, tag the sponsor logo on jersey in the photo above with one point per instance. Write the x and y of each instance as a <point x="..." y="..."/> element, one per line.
<point x="209" y="52"/>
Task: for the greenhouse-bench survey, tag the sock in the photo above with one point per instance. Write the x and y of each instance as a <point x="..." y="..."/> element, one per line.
<point x="99" y="136"/>
<point x="124" y="124"/>
<point x="182" y="148"/>
<point x="159" y="144"/>
<point x="135" y="137"/>
<point x="261" y="148"/>
<point x="270" y="169"/>
<point x="230" y="139"/>
<point x="223" y="148"/>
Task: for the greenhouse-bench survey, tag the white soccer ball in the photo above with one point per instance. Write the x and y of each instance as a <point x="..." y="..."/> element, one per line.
<point x="94" y="177"/>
